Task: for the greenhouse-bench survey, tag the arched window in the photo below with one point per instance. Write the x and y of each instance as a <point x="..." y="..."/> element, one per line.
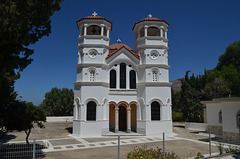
<point x="132" y="75"/>
<point x="142" y="32"/>
<point x="155" y="75"/>
<point x="122" y="75"/>
<point x="155" y="111"/>
<point x="238" y="119"/>
<point x="220" y="116"/>
<point x="93" y="30"/>
<point x="153" y="31"/>
<point x="92" y="75"/>
<point x="91" y="110"/>
<point x="113" y="79"/>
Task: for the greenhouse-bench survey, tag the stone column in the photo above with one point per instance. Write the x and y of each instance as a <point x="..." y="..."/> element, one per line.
<point x="76" y="112"/>
<point x="108" y="32"/>
<point x="118" y="77"/>
<point x="128" y="120"/>
<point x="85" y="30"/>
<point x="161" y="32"/>
<point x="166" y="34"/>
<point x="116" y="120"/>
<point x="145" y="31"/>
<point x="127" y="77"/>
<point x="102" y="30"/>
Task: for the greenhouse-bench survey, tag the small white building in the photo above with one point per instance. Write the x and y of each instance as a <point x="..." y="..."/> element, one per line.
<point x="118" y="88"/>
<point x="223" y="117"/>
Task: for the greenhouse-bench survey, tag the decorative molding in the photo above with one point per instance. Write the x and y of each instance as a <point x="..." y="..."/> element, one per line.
<point x="155" y="83"/>
<point x="90" y="64"/>
<point x="154" y="65"/>
<point x="93" y="83"/>
<point x="93" y="37"/>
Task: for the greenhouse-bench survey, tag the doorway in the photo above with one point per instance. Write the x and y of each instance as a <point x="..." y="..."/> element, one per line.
<point x="122" y="119"/>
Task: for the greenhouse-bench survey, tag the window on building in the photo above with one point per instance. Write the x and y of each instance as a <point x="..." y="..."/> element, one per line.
<point x="155" y="75"/>
<point x="155" y="111"/>
<point x="153" y="31"/>
<point x="94" y="30"/>
<point x="92" y="75"/>
<point x="123" y="75"/>
<point x="113" y="79"/>
<point x="91" y="111"/>
<point x="142" y="32"/>
<point x="220" y="116"/>
<point x="132" y="75"/>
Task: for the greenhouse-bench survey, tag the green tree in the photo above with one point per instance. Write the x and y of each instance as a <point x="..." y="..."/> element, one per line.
<point x="33" y="115"/>
<point x="217" y="88"/>
<point x="58" y="102"/>
<point x="231" y="56"/>
<point x="22" y="23"/>
<point x="187" y="100"/>
<point x="22" y="116"/>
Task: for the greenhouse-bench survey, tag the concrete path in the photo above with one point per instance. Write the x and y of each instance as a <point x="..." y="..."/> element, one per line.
<point x="62" y="145"/>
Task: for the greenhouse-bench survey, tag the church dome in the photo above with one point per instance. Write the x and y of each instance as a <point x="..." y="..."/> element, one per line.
<point x="149" y="19"/>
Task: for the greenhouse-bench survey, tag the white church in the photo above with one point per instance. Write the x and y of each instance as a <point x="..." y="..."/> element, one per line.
<point x="119" y="89"/>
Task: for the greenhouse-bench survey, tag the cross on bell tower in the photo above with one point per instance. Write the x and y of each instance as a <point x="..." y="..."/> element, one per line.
<point x="94" y="14"/>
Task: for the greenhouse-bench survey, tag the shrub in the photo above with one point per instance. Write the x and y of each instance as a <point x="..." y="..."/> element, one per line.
<point x="150" y="153"/>
<point x="199" y="155"/>
<point x="177" y="116"/>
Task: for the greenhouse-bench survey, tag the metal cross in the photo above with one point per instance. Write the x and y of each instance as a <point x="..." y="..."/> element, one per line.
<point x="94" y="14"/>
<point x="118" y="40"/>
<point x="150" y="15"/>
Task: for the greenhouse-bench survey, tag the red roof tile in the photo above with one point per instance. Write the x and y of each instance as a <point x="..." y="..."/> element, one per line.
<point x="116" y="47"/>
<point x="150" y="19"/>
<point x="95" y="17"/>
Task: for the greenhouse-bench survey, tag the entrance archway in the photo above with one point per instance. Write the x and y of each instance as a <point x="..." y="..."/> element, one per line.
<point x="122" y="118"/>
<point x="133" y="117"/>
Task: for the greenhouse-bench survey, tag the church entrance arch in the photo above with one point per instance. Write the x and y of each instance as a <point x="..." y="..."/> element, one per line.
<point x="122" y="119"/>
<point x="122" y="116"/>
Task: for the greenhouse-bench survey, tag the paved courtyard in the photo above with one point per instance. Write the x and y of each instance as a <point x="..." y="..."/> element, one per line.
<point x="60" y="144"/>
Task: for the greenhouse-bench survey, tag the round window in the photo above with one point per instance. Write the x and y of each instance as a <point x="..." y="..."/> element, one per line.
<point x="154" y="55"/>
<point x="92" y="54"/>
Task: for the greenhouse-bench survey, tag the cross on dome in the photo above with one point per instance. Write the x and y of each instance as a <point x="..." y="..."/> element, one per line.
<point x="94" y="14"/>
<point x="118" y="40"/>
<point x="150" y="15"/>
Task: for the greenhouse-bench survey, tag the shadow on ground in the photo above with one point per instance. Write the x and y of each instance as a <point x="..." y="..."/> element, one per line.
<point x="69" y="129"/>
<point x="7" y="137"/>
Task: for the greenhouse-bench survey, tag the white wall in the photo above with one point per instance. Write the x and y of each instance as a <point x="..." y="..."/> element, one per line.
<point x="229" y="116"/>
<point x="60" y="119"/>
<point x="213" y="114"/>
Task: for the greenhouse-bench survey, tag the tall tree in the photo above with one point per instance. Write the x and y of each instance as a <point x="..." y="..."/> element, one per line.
<point x="22" y="23"/>
<point x="231" y="56"/>
<point x="58" y="102"/>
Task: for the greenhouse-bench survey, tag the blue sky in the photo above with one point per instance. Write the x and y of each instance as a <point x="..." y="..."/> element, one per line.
<point x="198" y="34"/>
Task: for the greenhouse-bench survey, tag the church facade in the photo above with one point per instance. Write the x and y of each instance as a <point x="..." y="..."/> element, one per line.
<point x="118" y="88"/>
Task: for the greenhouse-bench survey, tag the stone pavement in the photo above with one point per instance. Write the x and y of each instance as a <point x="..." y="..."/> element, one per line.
<point x="61" y="144"/>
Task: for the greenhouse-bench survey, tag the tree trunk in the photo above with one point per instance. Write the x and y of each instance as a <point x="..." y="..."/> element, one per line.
<point x="27" y="133"/>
